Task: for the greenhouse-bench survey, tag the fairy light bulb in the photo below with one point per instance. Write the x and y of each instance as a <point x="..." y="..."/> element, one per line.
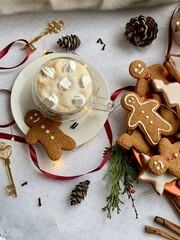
<point x="175" y="24"/>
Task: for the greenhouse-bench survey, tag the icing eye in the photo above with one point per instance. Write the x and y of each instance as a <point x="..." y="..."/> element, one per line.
<point x="129" y="101"/>
<point x="30" y="117"/>
<point x="136" y="70"/>
<point x="35" y="114"/>
<point x="132" y="98"/>
<point x="139" y="65"/>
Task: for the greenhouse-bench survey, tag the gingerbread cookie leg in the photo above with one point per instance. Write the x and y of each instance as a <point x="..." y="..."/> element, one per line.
<point x="135" y="139"/>
<point x="53" y="152"/>
<point x="67" y="142"/>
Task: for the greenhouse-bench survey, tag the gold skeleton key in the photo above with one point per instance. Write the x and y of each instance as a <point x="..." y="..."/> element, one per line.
<point x="5" y="152"/>
<point x="53" y="27"/>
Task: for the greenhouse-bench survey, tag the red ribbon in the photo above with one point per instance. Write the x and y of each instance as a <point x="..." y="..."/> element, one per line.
<point x="6" y="50"/>
<point x="57" y="177"/>
<point x="12" y="122"/>
<point x="170" y="33"/>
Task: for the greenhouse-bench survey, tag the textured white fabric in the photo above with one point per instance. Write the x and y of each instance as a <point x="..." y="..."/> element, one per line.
<point x="16" y="6"/>
<point x="21" y="218"/>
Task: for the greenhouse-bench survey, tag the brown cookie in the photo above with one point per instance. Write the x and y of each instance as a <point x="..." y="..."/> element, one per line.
<point x="143" y="114"/>
<point x="144" y="74"/>
<point x="135" y="140"/>
<point x="168" y="160"/>
<point x="47" y="132"/>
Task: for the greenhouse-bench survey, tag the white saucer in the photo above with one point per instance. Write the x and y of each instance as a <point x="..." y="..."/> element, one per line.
<point x="22" y="102"/>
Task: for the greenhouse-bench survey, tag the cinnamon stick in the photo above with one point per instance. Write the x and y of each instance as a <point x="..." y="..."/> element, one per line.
<point x="175" y="201"/>
<point x="160" y="232"/>
<point x="168" y="224"/>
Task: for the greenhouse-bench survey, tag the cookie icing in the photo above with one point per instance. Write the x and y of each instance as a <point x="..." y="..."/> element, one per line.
<point x="147" y="122"/>
<point x="171" y="91"/>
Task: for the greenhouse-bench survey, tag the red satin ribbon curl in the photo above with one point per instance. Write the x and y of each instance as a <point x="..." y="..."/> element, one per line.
<point x="6" y="50"/>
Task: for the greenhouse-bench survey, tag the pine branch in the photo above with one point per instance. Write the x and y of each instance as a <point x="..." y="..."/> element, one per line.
<point x="119" y="171"/>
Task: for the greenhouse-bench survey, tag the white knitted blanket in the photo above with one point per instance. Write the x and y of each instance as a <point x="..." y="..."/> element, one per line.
<point x="17" y="6"/>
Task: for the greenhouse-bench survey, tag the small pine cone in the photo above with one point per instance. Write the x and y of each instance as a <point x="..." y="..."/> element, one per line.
<point x="78" y="194"/>
<point x="141" y="31"/>
<point x="69" y="42"/>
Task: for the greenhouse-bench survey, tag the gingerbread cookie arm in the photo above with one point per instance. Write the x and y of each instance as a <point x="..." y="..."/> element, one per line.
<point x="31" y="137"/>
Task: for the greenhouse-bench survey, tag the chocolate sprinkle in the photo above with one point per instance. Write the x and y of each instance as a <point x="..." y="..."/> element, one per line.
<point x="39" y="202"/>
<point x="25" y="183"/>
<point x="103" y="48"/>
<point x="74" y="125"/>
<point x="100" y="41"/>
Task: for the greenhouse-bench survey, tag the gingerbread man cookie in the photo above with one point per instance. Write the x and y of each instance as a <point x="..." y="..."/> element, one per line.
<point x="143" y="114"/>
<point x="47" y="132"/>
<point x="168" y="160"/>
<point x="140" y="71"/>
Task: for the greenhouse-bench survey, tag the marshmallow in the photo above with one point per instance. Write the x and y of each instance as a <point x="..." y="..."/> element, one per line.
<point x="85" y="81"/>
<point x="79" y="100"/>
<point x="48" y="71"/>
<point x="64" y="84"/>
<point x="51" y="101"/>
<point x="69" y="66"/>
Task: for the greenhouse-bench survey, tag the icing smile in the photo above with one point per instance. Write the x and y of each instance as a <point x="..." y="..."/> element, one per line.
<point x="36" y="120"/>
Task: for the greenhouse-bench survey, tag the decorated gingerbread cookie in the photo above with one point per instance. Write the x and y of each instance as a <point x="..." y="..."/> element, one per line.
<point x="47" y="132"/>
<point x="170" y="91"/>
<point x="143" y="114"/>
<point x="158" y="181"/>
<point x="144" y="74"/>
<point x="168" y="160"/>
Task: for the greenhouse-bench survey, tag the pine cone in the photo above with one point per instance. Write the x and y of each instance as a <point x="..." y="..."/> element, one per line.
<point x="78" y="194"/>
<point x="69" y="42"/>
<point x="141" y="31"/>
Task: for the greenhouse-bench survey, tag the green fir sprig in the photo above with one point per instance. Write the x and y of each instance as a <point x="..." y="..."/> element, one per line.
<point x="121" y="171"/>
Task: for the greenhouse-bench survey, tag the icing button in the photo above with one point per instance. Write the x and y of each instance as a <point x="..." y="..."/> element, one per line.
<point x="176" y="154"/>
<point x="52" y="137"/>
<point x="42" y="126"/>
<point x="151" y="122"/>
<point x="47" y="131"/>
<point x="147" y="117"/>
